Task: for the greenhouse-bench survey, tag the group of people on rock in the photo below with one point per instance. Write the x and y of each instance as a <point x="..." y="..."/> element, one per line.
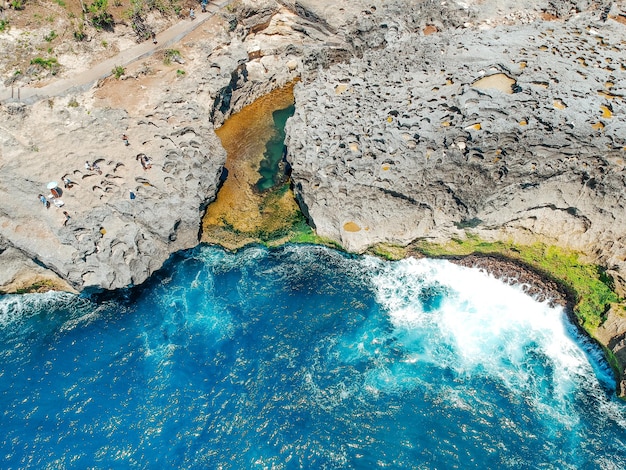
<point x="93" y="167"/>
<point x="55" y="193"/>
<point x="55" y="196"/>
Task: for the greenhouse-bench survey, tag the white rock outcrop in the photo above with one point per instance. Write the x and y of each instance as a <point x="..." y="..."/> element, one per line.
<point x="110" y="240"/>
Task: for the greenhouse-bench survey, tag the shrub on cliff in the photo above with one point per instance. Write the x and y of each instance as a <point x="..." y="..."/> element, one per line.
<point x="100" y="17"/>
<point x="51" y="64"/>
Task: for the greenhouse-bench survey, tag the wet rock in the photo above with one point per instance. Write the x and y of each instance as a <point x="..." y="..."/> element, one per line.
<point x="612" y="334"/>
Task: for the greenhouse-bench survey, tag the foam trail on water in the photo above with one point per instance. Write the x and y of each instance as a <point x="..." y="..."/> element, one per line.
<point x="15" y="308"/>
<point x="467" y="321"/>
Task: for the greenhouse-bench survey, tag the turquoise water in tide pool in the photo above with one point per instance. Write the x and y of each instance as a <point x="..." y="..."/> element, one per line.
<point x="274" y="150"/>
<point x="303" y="357"/>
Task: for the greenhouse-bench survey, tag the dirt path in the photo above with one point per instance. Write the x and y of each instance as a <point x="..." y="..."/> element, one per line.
<point x="83" y="81"/>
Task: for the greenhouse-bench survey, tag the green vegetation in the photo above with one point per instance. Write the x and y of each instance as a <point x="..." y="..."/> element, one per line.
<point x="118" y="71"/>
<point x="72" y="103"/>
<point x="17" y="5"/>
<point x="278" y="220"/>
<point x="79" y="31"/>
<point x="303" y="234"/>
<point x="180" y="72"/>
<point x="50" y="36"/>
<point x="141" y="7"/>
<point x="299" y="231"/>
<point x="39" y="286"/>
<point x="163" y="6"/>
<point x="4" y="25"/>
<point x="388" y="251"/>
<point x="52" y="63"/>
<point x="100" y="17"/>
<point x="61" y="3"/>
<point x="169" y="55"/>
<point x="588" y="283"/>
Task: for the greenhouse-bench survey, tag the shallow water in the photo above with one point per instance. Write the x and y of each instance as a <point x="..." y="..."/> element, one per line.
<point x="269" y="167"/>
<point x="303" y="357"/>
<point x="248" y="205"/>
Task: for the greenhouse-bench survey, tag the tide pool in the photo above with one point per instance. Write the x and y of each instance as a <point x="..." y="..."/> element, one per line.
<point x="303" y="357"/>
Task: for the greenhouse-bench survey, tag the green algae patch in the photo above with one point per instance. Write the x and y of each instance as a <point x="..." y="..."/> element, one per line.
<point x="242" y="213"/>
<point x="302" y="233"/>
<point x="588" y="285"/>
<point x="38" y="287"/>
<point x="388" y="251"/>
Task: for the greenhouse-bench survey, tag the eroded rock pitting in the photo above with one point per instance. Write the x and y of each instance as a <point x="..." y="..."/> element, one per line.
<point x="401" y="143"/>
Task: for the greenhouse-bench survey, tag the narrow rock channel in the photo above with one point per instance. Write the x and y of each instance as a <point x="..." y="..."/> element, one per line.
<point x="242" y="212"/>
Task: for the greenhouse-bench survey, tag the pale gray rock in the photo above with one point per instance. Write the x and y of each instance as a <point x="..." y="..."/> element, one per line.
<point x="398" y="145"/>
<point x="110" y="240"/>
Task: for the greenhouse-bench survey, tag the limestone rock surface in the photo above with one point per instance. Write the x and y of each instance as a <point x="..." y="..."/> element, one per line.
<point x="405" y="142"/>
<point x="168" y="111"/>
<point x="110" y="240"/>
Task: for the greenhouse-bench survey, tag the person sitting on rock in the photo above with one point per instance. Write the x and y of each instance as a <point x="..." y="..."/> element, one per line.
<point x="95" y="167"/>
<point x="146" y="164"/>
<point x="44" y="201"/>
<point x="204" y="4"/>
<point x="67" y="183"/>
<point x="125" y="137"/>
<point x="192" y="14"/>
<point x="88" y="166"/>
<point x="67" y="218"/>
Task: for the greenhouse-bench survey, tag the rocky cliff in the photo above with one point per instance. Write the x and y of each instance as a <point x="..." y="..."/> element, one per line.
<point x="167" y="104"/>
<point x="510" y="132"/>
<point x="414" y="119"/>
<point x="110" y="240"/>
<point x="502" y="120"/>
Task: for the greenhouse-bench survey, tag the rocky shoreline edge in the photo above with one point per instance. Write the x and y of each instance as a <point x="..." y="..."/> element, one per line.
<point x="544" y="287"/>
<point x="391" y="141"/>
<point x="538" y="285"/>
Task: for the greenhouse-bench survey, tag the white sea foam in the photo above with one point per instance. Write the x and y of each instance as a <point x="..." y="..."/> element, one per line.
<point x="15" y="308"/>
<point x="482" y="327"/>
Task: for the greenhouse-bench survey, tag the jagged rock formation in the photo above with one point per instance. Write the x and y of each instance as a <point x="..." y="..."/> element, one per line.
<point x="404" y="143"/>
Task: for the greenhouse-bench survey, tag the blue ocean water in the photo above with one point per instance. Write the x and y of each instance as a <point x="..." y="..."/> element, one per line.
<point x="303" y="357"/>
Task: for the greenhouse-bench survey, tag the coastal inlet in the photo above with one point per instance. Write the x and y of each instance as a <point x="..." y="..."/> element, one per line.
<point x="255" y="202"/>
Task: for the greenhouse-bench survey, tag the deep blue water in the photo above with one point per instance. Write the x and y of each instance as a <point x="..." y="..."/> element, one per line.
<point x="302" y="357"/>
